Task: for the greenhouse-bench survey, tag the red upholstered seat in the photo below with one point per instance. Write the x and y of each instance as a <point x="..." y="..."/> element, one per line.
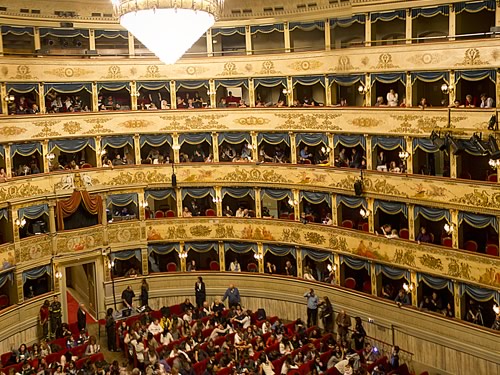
<point x="404" y="233"/>
<point x="284" y="216"/>
<point x="365" y="227"/>
<point x="252" y="267"/>
<point x="4" y="302"/>
<point x="159" y="214"/>
<point x="310" y="218"/>
<point x="447" y="241"/>
<point x="171" y="267"/>
<point x="291" y="216"/>
<point x="471" y="246"/>
<point x="214" y="266"/>
<point x="348" y="224"/>
<point x="493" y="177"/>
<point x="169" y="213"/>
<point x="367" y="287"/>
<point x="210" y="212"/>
<point x="492" y="249"/>
<point x="350" y="283"/>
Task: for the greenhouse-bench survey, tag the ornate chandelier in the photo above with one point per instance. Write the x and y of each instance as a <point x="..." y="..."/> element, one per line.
<point x="168" y="28"/>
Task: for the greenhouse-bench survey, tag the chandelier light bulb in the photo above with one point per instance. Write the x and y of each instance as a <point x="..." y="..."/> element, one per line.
<point x="258" y="256"/>
<point x="448" y="228"/>
<point x="496" y="309"/>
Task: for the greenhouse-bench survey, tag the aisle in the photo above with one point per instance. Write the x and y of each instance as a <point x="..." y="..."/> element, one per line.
<point x="73" y="308"/>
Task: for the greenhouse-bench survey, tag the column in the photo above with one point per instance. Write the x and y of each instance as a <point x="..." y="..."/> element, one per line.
<point x="498" y="75"/>
<point x="8" y="161"/>
<point x="45" y="153"/>
<point x="409" y="148"/>
<point x="335" y="218"/>
<point x="36" y="38"/>
<point x="222" y="256"/>
<point x="409" y="30"/>
<point x="286" y="32"/>
<point x="408" y="90"/>
<point x="95" y="97"/>
<point x="373" y="276"/>
<point x="328" y="92"/>
<point x="336" y="267"/>
<point x="255" y="150"/>
<point x="131" y="45"/>
<point x="41" y="98"/>
<point x="328" y="37"/>
<point x="92" y="39"/>
<point x="98" y="151"/>
<point x="1" y="50"/>
<point x="296" y="204"/>
<point x="218" y="203"/>
<point x="258" y="203"/>
<point x="411" y="222"/>
<point x="210" y="46"/>
<point x="331" y="146"/>
<point x="452" y="88"/>
<point x="176" y="147"/>
<point x="260" y="251"/>
<point x="52" y="217"/>
<point x="497" y="17"/>
<point x="19" y="284"/>
<point x="144" y="257"/>
<point x="104" y="221"/>
<point x="289" y="87"/>
<point x="300" y="270"/>
<point x="368" y="31"/>
<point x="142" y="206"/>
<point x="368" y="94"/>
<point x="178" y="201"/>
<point x="173" y="95"/>
<point x="215" y="146"/>
<point x="453" y="165"/>
<point x="293" y="148"/>
<point x="369" y="152"/>
<point x="213" y="93"/>
<point x="454" y="234"/>
<point x="414" y="294"/>
<point x="248" y="40"/>
<point x="15" y="229"/>
<point x="3" y="95"/>
<point x="137" y="149"/>
<point x="371" y="217"/>
<point x="452" y="23"/>
<point x="182" y="261"/>
<point x="133" y="95"/>
<point x="251" y="92"/>
<point x="457" y="298"/>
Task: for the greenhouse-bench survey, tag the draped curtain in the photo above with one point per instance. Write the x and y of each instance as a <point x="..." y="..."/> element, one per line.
<point x="476" y="75"/>
<point x="346" y="80"/>
<point x="240" y="247"/>
<point x="311" y="139"/>
<point x="22" y="88"/>
<point x="475" y="6"/>
<point x="266" y="29"/>
<point x="234" y="138"/>
<point x="4" y="277"/>
<point x="430" y="76"/>
<point x="433" y="214"/>
<point x="153" y="86"/>
<point x="35" y="273"/>
<point x="308" y="80"/>
<point x="113" y="86"/>
<point x="4" y="214"/>
<point x="67" y="207"/>
<point x="197" y="193"/>
<point x="195" y="138"/>
<point x="277" y="194"/>
<point x="279" y="250"/>
<point x="71" y="145"/>
<point x="33" y="212"/>
<point x="201" y="247"/>
<point x="2" y="151"/>
<point x="122" y="200"/>
<point x="346" y="22"/>
<point x="117" y="141"/>
<point x="480" y="294"/>
<point x="273" y="138"/>
<point x="392" y="273"/>
<point x="155" y="140"/>
<point x="159" y="195"/>
<point x="68" y="88"/>
<point x="355" y="264"/>
<point x="351" y="202"/>
<point x="391" y="208"/>
<point x="163" y="249"/>
<point x="435" y="282"/>
<point x="231" y="83"/>
<point x="191" y="85"/>
<point x="239" y="193"/>
<point x="307" y="26"/>
<point x="431" y="11"/>
<point x="316" y="197"/>
<point x="63" y="33"/>
<point x="389" y="143"/>
<point x="269" y="82"/>
<point x="25" y="149"/>
<point x="388" y="78"/>
<point x="228" y="31"/>
<point x="127" y="254"/>
<point x="111" y="34"/>
<point x="424" y="144"/>
<point x="399" y="14"/>
<point x="17" y="30"/>
<point x="478" y="221"/>
<point x="349" y="140"/>
<point x="317" y="256"/>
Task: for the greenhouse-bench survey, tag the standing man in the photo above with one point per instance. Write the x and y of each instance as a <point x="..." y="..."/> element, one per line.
<point x="343" y="323"/>
<point x="44" y="319"/>
<point x="55" y="316"/>
<point x="127" y="298"/>
<point x="200" y="292"/>
<point x="81" y="318"/>
<point x="233" y="296"/>
<point x="312" y="308"/>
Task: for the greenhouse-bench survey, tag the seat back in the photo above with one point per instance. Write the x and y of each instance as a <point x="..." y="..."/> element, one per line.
<point x="159" y="214"/>
<point x="404" y="233"/>
<point x="284" y="216"/>
<point x="170" y="213"/>
<point x="471" y="246"/>
<point x="291" y="216"/>
<point x="493" y="177"/>
<point x="310" y="218"/>
<point x="365" y="227"/>
<point x="171" y="267"/>
<point x="492" y="249"/>
<point x="348" y="224"/>
<point x="350" y="283"/>
<point x="252" y="267"/>
<point x="447" y="241"/>
<point x="4" y="301"/>
<point x="209" y="212"/>
<point x="214" y="266"/>
<point x="367" y="287"/>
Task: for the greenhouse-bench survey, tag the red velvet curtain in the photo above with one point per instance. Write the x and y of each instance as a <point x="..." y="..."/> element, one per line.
<point x="68" y="207"/>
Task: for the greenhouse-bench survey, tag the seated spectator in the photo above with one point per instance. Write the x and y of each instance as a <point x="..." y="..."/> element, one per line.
<point x="392" y="98"/>
<point x="356" y="159"/>
<point x="307" y="275"/>
<point x="474" y="313"/>
<point x="186" y="212"/>
<point x="304" y="155"/>
<point x="242" y="104"/>
<point x="342" y="103"/>
<point x="486" y="101"/>
<point x="279" y="155"/>
<point x="436" y="302"/>
<point x="381" y="162"/>
<point x="380" y="102"/>
<point x="227" y="212"/>
<point x="402" y="298"/>
<point x="393" y="234"/>
<point x="222" y="103"/>
<point x="470" y="102"/>
<point x="385" y="230"/>
<point x="394" y="168"/>
<point x="423" y="103"/>
<point x="423" y="236"/>
<point x="328" y="219"/>
<point x="263" y="157"/>
<point x="455" y="104"/>
<point x="425" y="304"/>
<point x="93" y="347"/>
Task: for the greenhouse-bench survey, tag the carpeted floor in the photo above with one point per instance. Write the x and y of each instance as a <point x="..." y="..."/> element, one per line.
<point x="73" y="308"/>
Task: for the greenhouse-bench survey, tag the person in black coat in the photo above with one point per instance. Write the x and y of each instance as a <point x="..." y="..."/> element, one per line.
<point x="200" y="292"/>
<point x="111" y="330"/>
<point x="81" y="317"/>
<point x="144" y="297"/>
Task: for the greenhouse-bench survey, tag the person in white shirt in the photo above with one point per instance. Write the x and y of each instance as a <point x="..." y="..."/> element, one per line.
<point x="328" y="220"/>
<point x="188" y="316"/>
<point x="218" y="331"/>
<point x="486" y="101"/>
<point x="392" y="98"/>
<point x="239" y="212"/>
<point x="235" y="266"/>
<point x="166" y="338"/>
<point x="155" y="327"/>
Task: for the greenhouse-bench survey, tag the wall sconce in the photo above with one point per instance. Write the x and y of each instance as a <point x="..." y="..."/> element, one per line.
<point x="58" y="275"/>
<point x="293" y="202"/>
<point x="135" y="94"/>
<point x="408" y="288"/>
<point x="111" y="264"/>
<point x="217" y="200"/>
<point x="286" y="92"/>
<point x="258" y="256"/>
<point x="404" y="155"/>
<point x="250" y="146"/>
<point x="364" y="213"/>
<point x="210" y="93"/>
<point x="496" y="309"/>
<point x="446" y="89"/>
<point x="362" y="89"/>
<point x="176" y="147"/>
<point x="325" y="150"/>
<point x="331" y="268"/>
<point x="21" y="222"/>
<point x="494" y="163"/>
<point x="50" y="156"/>
<point x="144" y="204"/>
<point x="9" y="98"/>
<point x="183" y="255"/>
<point x="103" y="152"/>
<point x="448" y="228"/>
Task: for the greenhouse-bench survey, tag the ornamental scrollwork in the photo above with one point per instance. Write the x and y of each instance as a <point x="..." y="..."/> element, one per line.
<point x="431" y="262"/>
<point x="479" y="199"/>
<point x="242" y="175"/>
<point x="224" y="231"/>
<point x="406" y="257"/>
<point x="319" y="121"/>
<point x="21" y="191"/>
<point x="200" y="230"/>
<point x="314" y="238"/>
<point x="128" y="178"/>
<point x="290" y="235"/>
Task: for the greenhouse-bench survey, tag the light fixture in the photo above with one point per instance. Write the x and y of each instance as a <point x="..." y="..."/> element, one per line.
<point x="493" y="148"/>
<point x="258" y="256"/>
<point x="58" y="275"/>
<point x="446" y="89"/>
<point x="331" y="268"/>
<point x="144" y="204"/>
<point x="217" y="200"/>
<point x="404" y="155"/>
<point x="176" y="147"/>
<point x="364" y="213"/>
<point x="183" y="255"/>
<point x="325" y="150"/>
<point x="135" y="94"/>
<point x="111" y="264"/>
<point x="448" y="228"/>
<point x="50" y="156"/>
<point x="494" y="163"/>
<point x="362" y="89"/>
<point x="103" y="152"/>
<point x="168" y="28"/>
<point x="293" y="202"/>
<point x="9" y="98"/>
<point x="250" y="146"/>
<point x="408" y="288"/>
<point x="21" y="222"/>
<point x="496" y="309"/>
<point x="210" y="93"/>
<point x="286" y="92"/>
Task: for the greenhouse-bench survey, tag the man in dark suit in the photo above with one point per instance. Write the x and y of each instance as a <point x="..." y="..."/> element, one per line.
<point x="81" y="317"/>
